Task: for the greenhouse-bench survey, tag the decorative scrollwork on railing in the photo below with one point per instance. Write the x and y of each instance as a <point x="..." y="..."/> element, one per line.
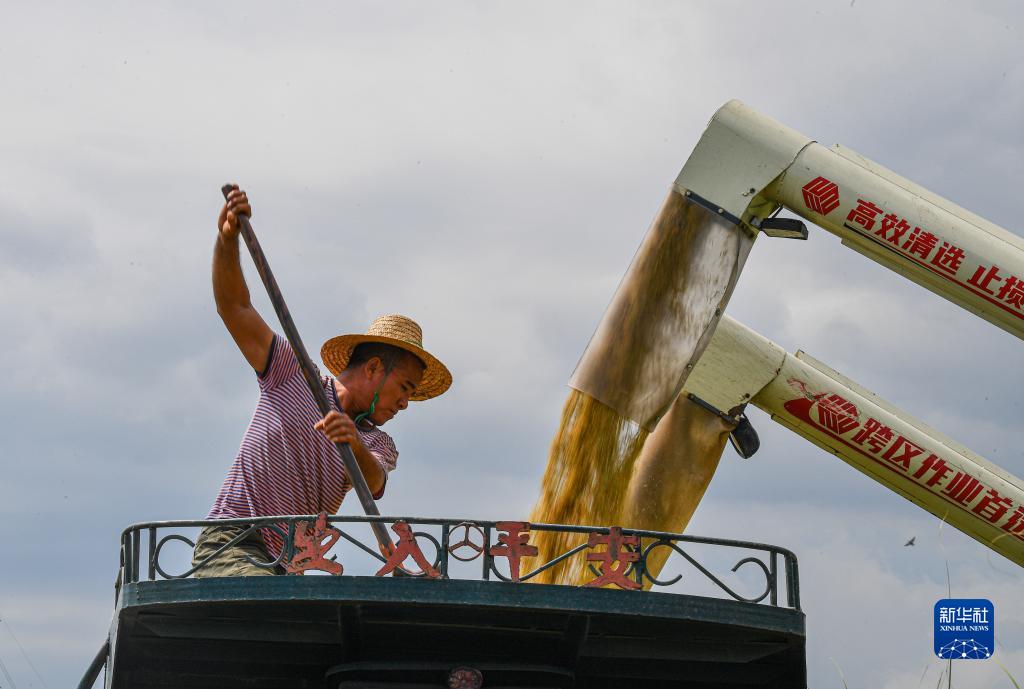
<point x="541" y="568"/>
<point x="176" y="537"/>
<point x="466" y="542"/>
<point x="241" y="537"/>
<point x="662" y="543"/>
<point x="614" y="556"/>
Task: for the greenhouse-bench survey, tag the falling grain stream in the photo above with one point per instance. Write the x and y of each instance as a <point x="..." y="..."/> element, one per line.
<point x="629" y="451"/>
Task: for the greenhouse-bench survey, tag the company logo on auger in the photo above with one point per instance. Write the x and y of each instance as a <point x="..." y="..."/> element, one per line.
<point x="821" y="195"/>
<point x="964" y="629"/>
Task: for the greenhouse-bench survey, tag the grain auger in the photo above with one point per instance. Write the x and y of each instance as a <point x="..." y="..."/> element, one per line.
<point x="670" y="373"/>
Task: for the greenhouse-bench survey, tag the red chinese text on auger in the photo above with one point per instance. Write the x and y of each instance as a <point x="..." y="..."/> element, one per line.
<point x="841" y="419"/>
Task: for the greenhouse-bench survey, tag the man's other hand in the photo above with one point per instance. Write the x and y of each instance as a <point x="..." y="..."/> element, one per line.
<point x="237" y="204"/>
<point x="338" y="428"/>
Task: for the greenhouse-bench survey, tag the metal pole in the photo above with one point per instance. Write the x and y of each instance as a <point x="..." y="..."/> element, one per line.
<point x="136" y="553"/>
<point x="152" y="553"/>
<point x="355" y="474"/>
<point x="97" y="664"/>
<point x="126" y="558"/>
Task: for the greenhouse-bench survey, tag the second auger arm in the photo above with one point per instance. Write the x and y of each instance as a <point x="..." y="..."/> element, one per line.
<point x="902" y="453"/>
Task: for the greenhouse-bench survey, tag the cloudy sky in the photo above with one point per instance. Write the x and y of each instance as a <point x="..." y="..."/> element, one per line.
<point x="489" y="169"/>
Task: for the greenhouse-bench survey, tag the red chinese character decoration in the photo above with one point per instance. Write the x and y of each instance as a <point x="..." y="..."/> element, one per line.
<point x="1015" y="524"/>
<point x="938" y="468"/>
<point x="982" y="279"/>
<point x="615" y="559"/>
<point x="514" y="544"/>
<point x="312" y="542"/>
<point x="993" y="506"/>
<point x="1012" y="292"/>
<point x="902" y="452"/>
<point x="948" y="258"/>
<point x="920" y="243"/>
<point x="406" y="547"/>
<point x="864" y="214"/>
<point x="874" y="434"/>
<point x="890" y="223"/>
<point x="963" y="488"/>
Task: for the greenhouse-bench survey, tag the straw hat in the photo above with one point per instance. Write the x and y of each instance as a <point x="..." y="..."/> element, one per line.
<point x="394" y="330"/>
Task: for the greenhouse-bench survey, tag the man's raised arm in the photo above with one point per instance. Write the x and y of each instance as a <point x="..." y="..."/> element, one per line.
<point x="250" y="332"/>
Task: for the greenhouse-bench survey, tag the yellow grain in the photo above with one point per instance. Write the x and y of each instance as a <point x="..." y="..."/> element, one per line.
<point x="585" y="483"/>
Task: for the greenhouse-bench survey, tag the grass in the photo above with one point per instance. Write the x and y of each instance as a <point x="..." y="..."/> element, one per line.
<point x="842" y="677"/>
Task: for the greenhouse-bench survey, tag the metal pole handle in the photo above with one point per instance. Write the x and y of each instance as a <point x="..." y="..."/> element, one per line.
<point x="355" y="474"/>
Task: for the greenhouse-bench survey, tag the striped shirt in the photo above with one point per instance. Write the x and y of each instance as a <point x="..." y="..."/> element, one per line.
<point x="284" y="466"/>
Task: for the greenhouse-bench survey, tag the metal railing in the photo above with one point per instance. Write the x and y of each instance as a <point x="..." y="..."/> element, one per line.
<point x="621" y="555"/>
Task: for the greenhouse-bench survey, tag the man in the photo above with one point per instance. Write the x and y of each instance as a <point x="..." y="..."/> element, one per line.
<point x="287" y="462"/>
